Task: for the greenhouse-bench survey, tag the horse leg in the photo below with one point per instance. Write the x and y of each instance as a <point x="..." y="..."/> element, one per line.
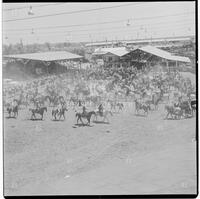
<point x="60" y="116"/>
<point x="96" y="117"/>
<point x="167" y="115"/>
<point x="88" y="119"/>
<point x="81" y="120"/>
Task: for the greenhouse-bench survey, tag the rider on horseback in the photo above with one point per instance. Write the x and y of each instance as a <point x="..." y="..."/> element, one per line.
<point x="60" y="106"/>
<point x="37" y="105"/>
<point x="79" y="103"/>
<point x="84" y="110"/>
<point x="13" y="104"/>
<point x="100" y="109"/>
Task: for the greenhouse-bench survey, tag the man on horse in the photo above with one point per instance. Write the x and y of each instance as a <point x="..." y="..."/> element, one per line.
<point x="38" y="105"/>
<point x="84" y="111"/>
<point x="59" y="107"/>
<point x="100" y="109"/>
<point x="14" y="103"/>
<point x="79" y="103"/>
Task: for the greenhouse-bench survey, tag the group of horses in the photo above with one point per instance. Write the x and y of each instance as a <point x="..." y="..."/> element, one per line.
<point x="58" y="112"/>
<point x="183" y="109"/>
<point x="120" y="88"/>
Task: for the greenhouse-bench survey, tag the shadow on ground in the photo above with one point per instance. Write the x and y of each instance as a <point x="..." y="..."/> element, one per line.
<point x="100" y="122"/>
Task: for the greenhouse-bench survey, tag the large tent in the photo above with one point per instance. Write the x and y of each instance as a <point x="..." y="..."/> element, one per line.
<point x="149" y="54"/>
<point x="46" y="60"/>
<point x="46" y="56"/>
<point x="163" y="54"/>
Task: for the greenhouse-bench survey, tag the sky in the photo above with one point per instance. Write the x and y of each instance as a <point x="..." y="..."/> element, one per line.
<point x="92" y="22"/>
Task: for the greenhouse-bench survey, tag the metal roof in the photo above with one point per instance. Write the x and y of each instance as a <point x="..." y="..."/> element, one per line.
<point x="180" y="58"/>
<point x="163" y="54"/>
<point x="156" y="51"/>
<point x="46" y="56"/>
<point x="120" y="51"/>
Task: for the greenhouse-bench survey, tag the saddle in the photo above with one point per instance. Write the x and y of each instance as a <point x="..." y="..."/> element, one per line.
<point x="84" y="114"/>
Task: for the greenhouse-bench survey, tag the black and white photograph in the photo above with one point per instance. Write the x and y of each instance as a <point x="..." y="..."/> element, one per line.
<point x="99" y="98"/>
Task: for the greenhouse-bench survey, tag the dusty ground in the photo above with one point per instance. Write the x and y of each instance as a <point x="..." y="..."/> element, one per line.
<point x="131" y="155"/>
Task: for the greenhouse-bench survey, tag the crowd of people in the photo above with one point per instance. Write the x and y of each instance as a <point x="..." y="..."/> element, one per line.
<point x="96" y="86"/>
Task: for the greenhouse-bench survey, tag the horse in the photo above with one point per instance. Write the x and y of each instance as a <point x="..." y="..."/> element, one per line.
<point x="141" y="106"/>
<point x="14" y="110"/>
<point x="120" y="106"/>
<point x="186" y="108"/>
<point x="86" y="115"/>
<point x="193" y="106"/>
<point x="174" y="112"/>
<point x="104" y="114"/>
<point x="60" y="113"/>
<point x="39" y="111"/>
<point x="113" y="105"/>
<point x="156" y="98"/>
<point x="54" y="113"/>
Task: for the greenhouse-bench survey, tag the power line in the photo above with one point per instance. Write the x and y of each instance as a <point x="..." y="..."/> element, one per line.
<point x="36" y="6"/>
<point x="118" y="27"/>
<point x="67" y="26"/>
<point x="107" y="32"/>
<point x="72" y="12"/>
<point x="101" y="23"/>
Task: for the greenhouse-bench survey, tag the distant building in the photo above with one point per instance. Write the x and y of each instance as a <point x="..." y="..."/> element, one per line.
<point x="142" y="42"/>
<point x="110" y="56"/>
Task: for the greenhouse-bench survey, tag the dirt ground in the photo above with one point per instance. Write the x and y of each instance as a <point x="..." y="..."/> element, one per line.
<point x="131" y="155"/>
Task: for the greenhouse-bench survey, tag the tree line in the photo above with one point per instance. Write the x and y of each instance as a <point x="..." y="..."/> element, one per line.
<point x="20" y="48"/>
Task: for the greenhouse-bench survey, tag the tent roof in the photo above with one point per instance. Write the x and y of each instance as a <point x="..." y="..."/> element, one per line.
<point x="120" y="51"/>
<point x="180" y="58"/>
<point x="163" y="54"/>
<point x="156" y="51"/>
<point x="46" y="56"/>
